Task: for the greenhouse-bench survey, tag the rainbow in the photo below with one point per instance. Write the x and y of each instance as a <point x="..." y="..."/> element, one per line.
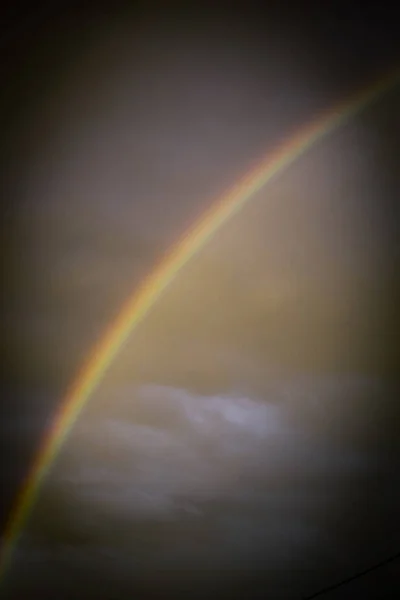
<point x="139" y="304"/>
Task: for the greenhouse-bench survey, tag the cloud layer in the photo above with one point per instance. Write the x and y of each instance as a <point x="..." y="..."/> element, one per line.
<point x="203" y="489"/>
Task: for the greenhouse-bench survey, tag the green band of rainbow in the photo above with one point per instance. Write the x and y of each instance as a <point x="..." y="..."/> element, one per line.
<point x="138" y="306"/>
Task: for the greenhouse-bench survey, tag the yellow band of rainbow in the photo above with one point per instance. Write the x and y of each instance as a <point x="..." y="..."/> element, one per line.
<point x="140" y="303"/>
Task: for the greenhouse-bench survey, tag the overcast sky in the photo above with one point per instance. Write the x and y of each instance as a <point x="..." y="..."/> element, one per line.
<point x="120" y="130"/>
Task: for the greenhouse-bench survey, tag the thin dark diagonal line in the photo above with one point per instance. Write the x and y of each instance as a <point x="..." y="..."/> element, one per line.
<point x="352" y="577"/>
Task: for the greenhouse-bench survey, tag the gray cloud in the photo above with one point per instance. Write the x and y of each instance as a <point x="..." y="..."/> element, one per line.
<point x="218" y="481"/>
